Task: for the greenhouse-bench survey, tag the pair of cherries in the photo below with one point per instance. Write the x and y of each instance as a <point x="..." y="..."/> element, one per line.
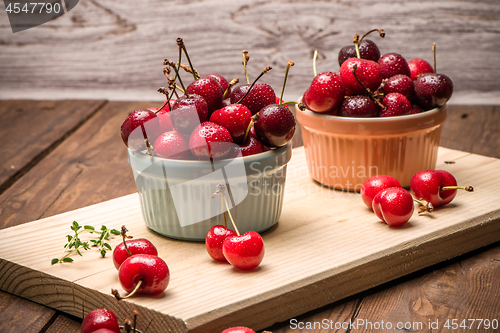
<point x="140" y="270"/>
<point x="241" y="251"/>
<point x="394" y="205"/>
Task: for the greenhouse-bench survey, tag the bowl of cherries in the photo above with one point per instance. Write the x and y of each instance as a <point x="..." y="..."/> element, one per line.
<point x="380" y="114"/>
<point x="210" y="132"/>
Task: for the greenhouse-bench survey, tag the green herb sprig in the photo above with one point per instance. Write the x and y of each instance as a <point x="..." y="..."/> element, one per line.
<point x="75" y="244"/>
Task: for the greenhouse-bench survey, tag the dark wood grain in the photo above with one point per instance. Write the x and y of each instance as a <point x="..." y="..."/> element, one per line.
<point x="29" y="130"/>
<point x="20" y="315"/>
<point x="89" y="167"/>
<point x="114" y="49"/>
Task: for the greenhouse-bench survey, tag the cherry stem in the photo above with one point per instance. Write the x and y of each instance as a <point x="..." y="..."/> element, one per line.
<point x="466" y="188"/>
<point x="135" y="320"/>
<point x="245" y="61"/>
<point x="355" y="40"/>
<point x="290" y="64"/>
<point x="230" y="216"/>
<point x="267" y="69"/>
<point x="424" y="205"/>
<point x="149" y="149"/>
<point x="434" y="55"/>
<point x="370" y="94"/>
<point x="315" y="56"/>
<point x="250" y="124"/>
<point x="182" y="47"/>
<point x="117" y="294"/>
<point x="381" y="33"/>
<point x="123" y="232"/>
<point x="231" y="84"/>
<point x="183" y="89"/>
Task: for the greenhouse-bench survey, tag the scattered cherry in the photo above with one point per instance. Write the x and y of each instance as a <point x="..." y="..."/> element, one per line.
<point x="238" y="329"/>
<point x="244" y="251"/>
<point x="214" y="239"/>
<point x="143" y="274"/>
<point x="375" y="184"/>
<point x="100" y="319"/>
<point x="133" y="247"/>
<point x="393" y="205"/>
<point x="438" y="187"/>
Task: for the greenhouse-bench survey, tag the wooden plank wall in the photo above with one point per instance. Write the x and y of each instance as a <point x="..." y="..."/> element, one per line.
<point x="113" y="49"/>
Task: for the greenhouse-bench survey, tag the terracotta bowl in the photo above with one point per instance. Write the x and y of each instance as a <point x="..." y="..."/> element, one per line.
<point x="343" y="152"/>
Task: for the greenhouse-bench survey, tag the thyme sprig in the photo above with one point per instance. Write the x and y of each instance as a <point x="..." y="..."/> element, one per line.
<point x="75" y="244"/>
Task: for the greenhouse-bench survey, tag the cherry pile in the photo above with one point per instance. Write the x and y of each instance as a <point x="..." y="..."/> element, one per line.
<point x="140" y="270"/>
<point x="371" y="85"/>
<point x="394" y="205"/>
<point x="210" y="118"/>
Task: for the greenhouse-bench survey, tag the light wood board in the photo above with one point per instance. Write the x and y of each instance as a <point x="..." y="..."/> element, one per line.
<point x="326" y="246"/>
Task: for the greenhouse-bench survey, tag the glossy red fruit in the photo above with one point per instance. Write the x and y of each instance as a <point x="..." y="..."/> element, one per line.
<point x="325" y="93"/>
<point x="428" y="185"/>
<point x="367" y="50"/>
<point x="100" y="319"/>
<point x="375" y="184"/>
<point x="395" y="105"/>
<point x="165" y="120"/>
<point x="244" y="252"/>
<point x="214" y="239"/>
<point x="235" y="118"/>
<point x="223" y="83"/>
<point x="135" y="246"/>
<point x="358" y="106"/>
<point x="251" y="146"/>
<point x="261" y="95"/>
<point x="238" y="329"/>
<point x="275" y="126"/>
<point x="393" y="64"/>
<point x="104" y="330"/>
<point x="138" y="126"/>
<point x="151" y="269"/>
<point x="368" y="72"/>
<point x="416" y="109"/>
<point x="393" y="205"/>
<point x="210" y="89"/>
<point x="172" y="145"/>
<point x="433" y="90"/>
<point x="210" y="141"/>
<point x="419" y="66"/>
<point x="401" y="84"/>
<point x="188" y="112"/>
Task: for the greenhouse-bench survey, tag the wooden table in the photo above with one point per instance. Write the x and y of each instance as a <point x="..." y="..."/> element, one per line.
<point x="62" y="155"/>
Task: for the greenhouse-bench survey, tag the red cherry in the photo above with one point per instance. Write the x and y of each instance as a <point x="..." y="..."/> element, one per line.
<point x="244" y="252"/>
<point x="433" y="90"/>
<point x="394" y="206"/>
<point x="325" y="93"/>
<point x="165" y="120"/>
<point x="135" y="246"/>
<point x="173" y="145"/>
<point x="375" y="184"/>
<point x="393" y="64"/>
<point x="210" y="89"/>
<point x="188" y="112"/>
<point x="419" y="66"/>
<point x="368" y="72"/>
<point x="100" y="319"/>
<point x="275" y="126"/>
<point x="401" y="84"/>
<point x="238" y="329"/>
<point x="395" y="105"/>
<point x="214" y="239"/>
<point x="223" y="83"/>
<point x="261" y="95"/>
<point x="104" y="330"/>
<point x="251" y="146"/>
<point x="145" y="273"/>
<point x="431" y="186"/>
<point x="138" y="126"/>
<point x="367" y="50"/>
<point x="235" y="118"/>
<point x="210" y="141"/>
<point x="358" y="106"/>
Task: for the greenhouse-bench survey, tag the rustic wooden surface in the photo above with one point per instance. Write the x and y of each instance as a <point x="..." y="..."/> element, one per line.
<point x="113" y="49"/>
<point x="464" y="287"/>
<point x="306" y="264"/>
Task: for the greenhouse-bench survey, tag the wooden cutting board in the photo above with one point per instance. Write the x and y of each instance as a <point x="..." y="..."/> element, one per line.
<point x="326" y="246"/>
